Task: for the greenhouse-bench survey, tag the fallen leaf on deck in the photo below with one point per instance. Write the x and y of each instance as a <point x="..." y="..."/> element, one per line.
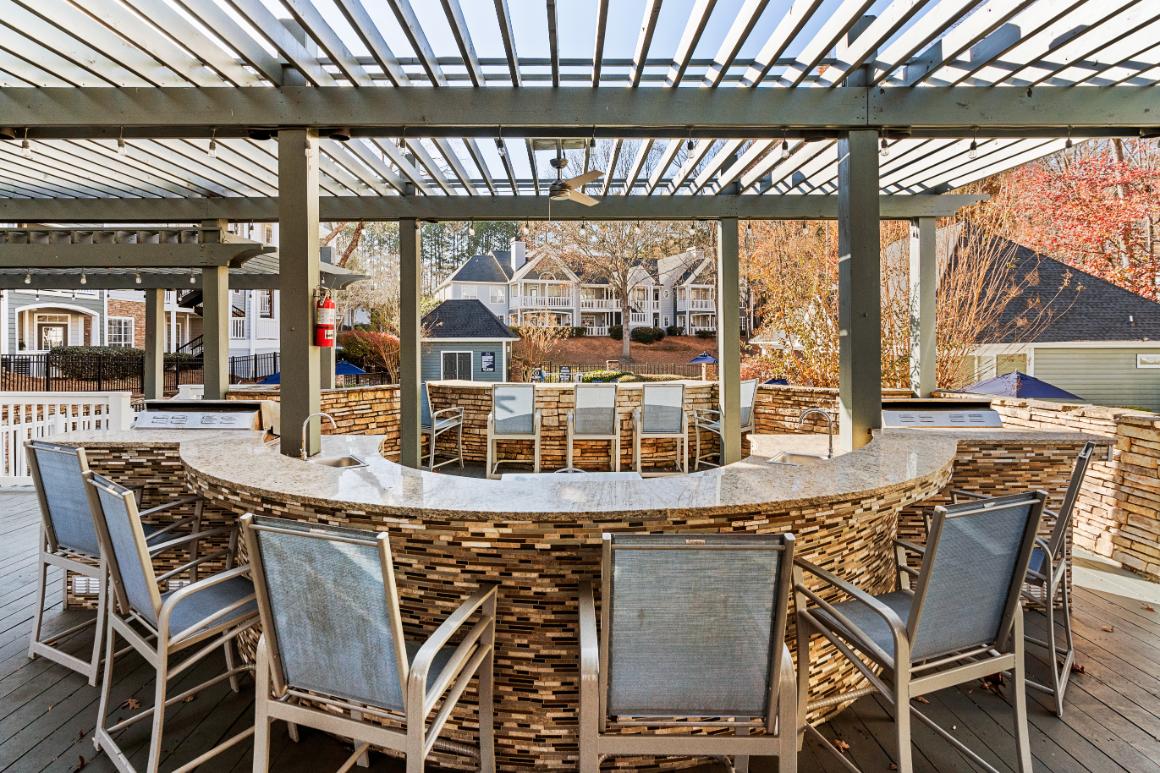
<point x="189" y="699"/>
<point x="894" y="766"/>
<point x="922" y="699"/>
<point x="840" y="745"/>
<point x="1108" y="628"/>
<point x="1078" y="668"/>
<point x="81" y="762"/>
<point x="131" y="703"/>
<point x="1149" y="608"/>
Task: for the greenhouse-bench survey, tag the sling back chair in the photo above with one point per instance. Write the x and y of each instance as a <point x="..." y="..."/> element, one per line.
<point x="69" y="542"/>
<point x="960" y="620"/>
<point x="661" y="415"/>
<point x="332" y="654"/>
<point x="1046" y="581"/>
<point x="197" y="618"/>
<point x="435" y="423"/>
<point x="705" y="420"/>
<point x="692" y="635"/>
<point x="513" y="417"/>
<point x="595" y="418"/>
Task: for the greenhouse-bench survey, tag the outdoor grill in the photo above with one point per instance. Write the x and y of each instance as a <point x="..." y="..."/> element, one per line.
<point x="939" y="414"/>
<point x="209" y="414"/>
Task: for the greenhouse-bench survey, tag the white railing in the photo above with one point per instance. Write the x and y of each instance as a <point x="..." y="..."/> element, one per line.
<point x="696" y="304"/>
<point x="606" y="304"/>
<point x="545" y="301"/>
<point x="35" y="415"/>
<point x="638" y="320"/>
<point x="238" y="328"/>
<point x="594" y="330"/>
<point x="267" y="328"/>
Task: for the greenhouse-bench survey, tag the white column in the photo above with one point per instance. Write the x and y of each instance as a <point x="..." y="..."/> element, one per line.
<point x="923" y="284"/>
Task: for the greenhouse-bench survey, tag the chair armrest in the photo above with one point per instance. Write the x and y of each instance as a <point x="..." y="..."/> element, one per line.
<point x="958" y="492"/>
<point x="186" y="591"/>
<point x="453" y="410"/>
<point x="897" y="628"/>
<point x="161" y="547"/>
<point x="185" y="500"/>
<point x="589" y="639"/>
<point x="1049" y="515"/>
<point x="421" y="665"/>
<point x="910" y="547"/>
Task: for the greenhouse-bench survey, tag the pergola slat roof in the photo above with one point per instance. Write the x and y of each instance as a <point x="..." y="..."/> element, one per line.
<point x="123" y="98"/>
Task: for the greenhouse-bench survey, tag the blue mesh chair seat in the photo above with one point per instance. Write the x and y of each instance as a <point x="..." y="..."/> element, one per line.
<point x="205" y="615"/>
<point x="513" y="416"/>
<point x="332" y="632"/>
<point x="594" y="418"/>
<point x="661" y="415"/>
<point x="435" y="423"/>
<point x="70" y="543"/>
<point x="710" y="421"/>
<point x="692" y="626"/>
<point x="1047" y="588"/>
<point x="955" y="619"/>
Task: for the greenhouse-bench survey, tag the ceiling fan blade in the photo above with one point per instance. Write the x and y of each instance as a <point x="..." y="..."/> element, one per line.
<point x="580" y="198"/>
<point x="581" y="180"/>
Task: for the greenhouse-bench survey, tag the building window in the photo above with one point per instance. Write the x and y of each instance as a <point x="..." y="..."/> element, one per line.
<point x="497" y="295"/>
<point x="456" y="365"/>
<point x="119" y="331"/>
<point x="1148" y="360"/>
<point x="469" y="293"/>
<point x="266" y="304"/>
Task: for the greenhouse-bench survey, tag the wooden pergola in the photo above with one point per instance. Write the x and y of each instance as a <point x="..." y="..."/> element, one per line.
<point x="299" y="111"/>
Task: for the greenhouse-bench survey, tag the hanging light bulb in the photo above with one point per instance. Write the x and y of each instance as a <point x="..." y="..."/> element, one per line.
<point x="471" y="228"/>
<point x="28" y="279"/>
<point x="784" y="149"/>
<point x="1068" y="143"/>
<point x="973" y="153"/>
<point x="583" y="225"/>
<point x="884" y="148"/>
<point x="121" y="142"/>
<point x="526" y="229"/>
<point x="212" y="151"/>
<point x="692" y="228"/>
<point x="26" y="146"/>
<point x="84" y="278"/>
<point x="193" y="278"/>
<point x="689" y="144"/>
<point x="137" y="279"/>
<point x="636" y="227"/>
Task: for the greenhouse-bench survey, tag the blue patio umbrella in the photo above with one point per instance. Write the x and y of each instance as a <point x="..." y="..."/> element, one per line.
<point x="341" y="368"/>
<point x="776" y="382"/>
<point x="1019" y="384"/>
<point x="704" y="358"/>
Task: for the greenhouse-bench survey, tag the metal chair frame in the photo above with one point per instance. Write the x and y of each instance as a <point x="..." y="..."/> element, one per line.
<point x="709" y="420"/>
<point x="639" y="433"/>
<point x="474" y="655"/>
<point x="440" y="421"/>
<point x="71" y="560"/>
<point x="494" y="438"/>
<point x="598" y="736"/>
<point x="156" y="642"/>
<point x="898" y="677"/>
<point x="1044" y="587"/>
<point x="612" y="437"/>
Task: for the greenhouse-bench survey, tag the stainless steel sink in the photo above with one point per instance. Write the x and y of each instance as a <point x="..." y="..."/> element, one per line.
<point x="792" y="459"/>
<point x="337" y="461"/>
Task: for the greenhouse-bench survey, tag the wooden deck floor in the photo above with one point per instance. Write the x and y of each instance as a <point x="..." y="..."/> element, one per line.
<point x="1112" y="722"/>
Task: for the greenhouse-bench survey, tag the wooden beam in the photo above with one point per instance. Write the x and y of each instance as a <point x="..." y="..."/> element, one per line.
<point x="728" y="340"/>
<point x="127" y="255"/>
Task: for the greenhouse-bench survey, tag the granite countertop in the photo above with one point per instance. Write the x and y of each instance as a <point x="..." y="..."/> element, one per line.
<point x="894" y="459"/>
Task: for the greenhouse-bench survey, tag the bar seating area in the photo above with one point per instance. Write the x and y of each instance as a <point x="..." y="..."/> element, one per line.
<point x="725" y="575"/>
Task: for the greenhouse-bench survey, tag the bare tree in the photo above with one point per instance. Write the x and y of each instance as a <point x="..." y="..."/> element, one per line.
<point x="539" y="338"/>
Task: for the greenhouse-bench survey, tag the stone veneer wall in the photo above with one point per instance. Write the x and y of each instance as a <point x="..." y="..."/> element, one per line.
<point x="361" y="410"/>
<point x="1118" y="510"/>
<point x="779" y="407"/>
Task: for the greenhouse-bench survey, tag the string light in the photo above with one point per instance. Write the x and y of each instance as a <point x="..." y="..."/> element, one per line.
<point x="526" y="229"/>
<point x="692" y="228"/>
<point x="884" y="148"/>
<point x="1068" y="143"/>
<point x="25" y="145"/>
<point x="471" y="228"/>
<point x="28" y="279"/>
<point x="212" y="151"/>
<point x="583" y="225"/>
<point x="192" y="278"/>
<point x="784" y="149"/>
<point x="137" y="279"/>
<point x="121" y="141"/>
<point x="84" y="278"/>
<point x="974" y="150"/>
<point x="689" y="144"/>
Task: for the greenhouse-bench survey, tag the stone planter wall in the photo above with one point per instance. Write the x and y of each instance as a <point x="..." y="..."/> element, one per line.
<point x="780" y="407"/>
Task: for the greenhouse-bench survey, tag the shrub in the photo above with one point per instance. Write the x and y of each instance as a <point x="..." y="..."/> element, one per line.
<point x="674" y="330"/>
<point x="615" y="332"/>
<point x="706" y="334"/>
<point x="646" y="335"/>
<point x="602" y="376"/>
<point x="85" y="362"/>
<point x="371" y="350"/>
<point x="577" y="331"/>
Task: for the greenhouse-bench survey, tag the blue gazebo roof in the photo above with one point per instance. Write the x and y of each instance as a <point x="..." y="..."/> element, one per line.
<point x="1019" y="384"/>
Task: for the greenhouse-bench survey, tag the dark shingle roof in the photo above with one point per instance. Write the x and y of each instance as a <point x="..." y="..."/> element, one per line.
<point x="484" y="268"/>
<point x="465" y="318"/>
<point x="1081" y="307"/>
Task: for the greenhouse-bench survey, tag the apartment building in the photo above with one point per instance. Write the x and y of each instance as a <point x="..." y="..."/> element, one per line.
<point x="515" y="286"/>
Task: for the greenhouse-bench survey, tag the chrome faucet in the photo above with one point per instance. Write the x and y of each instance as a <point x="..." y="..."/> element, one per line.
<point x="306" y="426"/>
<point x="829" y="417"/>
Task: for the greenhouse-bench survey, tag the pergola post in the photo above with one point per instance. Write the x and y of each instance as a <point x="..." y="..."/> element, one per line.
<point x="215" y="304"/>
<point x="923" y="286"/>
<point x="299" y="279"/>
<point x="409" y="342"/>
<point x="154" y="385"/>
<point x="728" y="348"/>
<point x="326" y="360"/>
<point x="859" y="290"/>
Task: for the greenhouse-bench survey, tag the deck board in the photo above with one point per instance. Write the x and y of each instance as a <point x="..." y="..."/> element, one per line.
<point x="1112" y="717"/>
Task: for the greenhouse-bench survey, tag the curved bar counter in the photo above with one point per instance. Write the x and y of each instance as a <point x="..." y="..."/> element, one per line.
<point x="537" y="538"/>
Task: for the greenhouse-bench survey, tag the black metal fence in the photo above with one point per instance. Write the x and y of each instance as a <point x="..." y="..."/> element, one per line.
<point x="100" y="372"/>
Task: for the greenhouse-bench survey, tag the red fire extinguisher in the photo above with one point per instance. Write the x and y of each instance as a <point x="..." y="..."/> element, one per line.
<point x="324" y="321"/>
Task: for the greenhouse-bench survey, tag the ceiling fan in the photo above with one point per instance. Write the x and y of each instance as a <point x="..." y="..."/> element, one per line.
<point x="572" y="188"/>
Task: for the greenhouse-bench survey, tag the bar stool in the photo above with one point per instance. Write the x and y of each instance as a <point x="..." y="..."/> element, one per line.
<point x="661" y="415"/>
<point x="513" y="417"/>
<point x="595" y="418"/>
